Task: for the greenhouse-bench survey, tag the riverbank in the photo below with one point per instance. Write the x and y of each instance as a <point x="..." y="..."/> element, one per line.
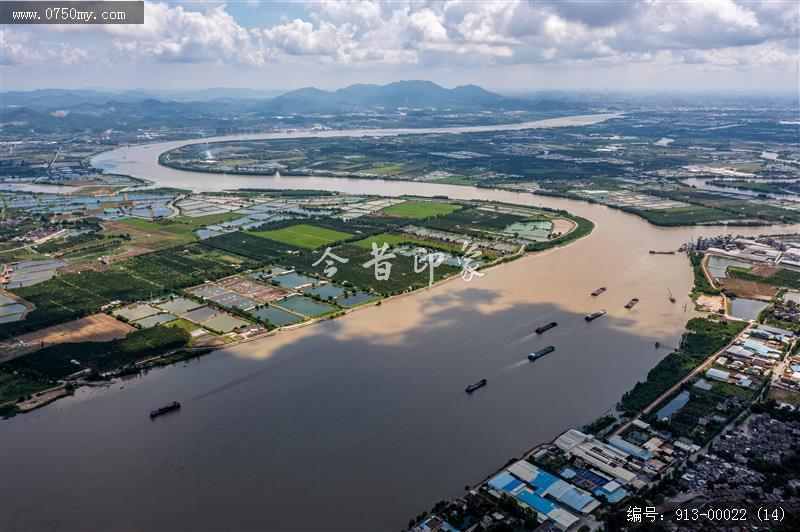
<point x="656" y="217"/>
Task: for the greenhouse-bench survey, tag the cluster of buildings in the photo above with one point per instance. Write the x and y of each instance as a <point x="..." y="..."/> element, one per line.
<point x="721" y="479"/>
<point x="552" y="498"/>
<point x="565" y="483"/>
<point x="748" y="250"/>
<point x="787" y="375"/>
<point x="787" y="310"/>
<point x="40" y="235"/>
<point x="756" y="353"/>
<point x="760" y="251"/>
<point x="67" y="171"/>
<point x="630" y="460"/>
<point x="761" y="436"/>
<point x="727" y="476"/>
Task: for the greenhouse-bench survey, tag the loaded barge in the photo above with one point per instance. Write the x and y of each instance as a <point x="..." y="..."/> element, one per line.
<point x="599" y="291"/>
<point x="632" y="303"/>
<point x="174" y="405"/>
<point x="472" y="387"/>
<point x="594" y="315"/>
<point x="541" y="352"/>
<point x="547" y="327"/>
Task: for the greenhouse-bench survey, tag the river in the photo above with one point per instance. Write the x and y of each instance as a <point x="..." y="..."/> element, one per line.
<point x="361" y="422"/>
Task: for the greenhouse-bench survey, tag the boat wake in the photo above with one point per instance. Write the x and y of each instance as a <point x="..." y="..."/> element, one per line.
<point x="512" y="367"/>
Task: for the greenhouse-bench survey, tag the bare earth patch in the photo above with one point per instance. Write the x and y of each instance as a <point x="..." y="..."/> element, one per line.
<point x="748" y="289"/>
<point x="784" y="396"/>
<point x="41" y="398"/>
<point x="95" y="328"/>
<point x="762" y="270"/>
<point x="710" y="303"/>
<point x="563" y="226"/>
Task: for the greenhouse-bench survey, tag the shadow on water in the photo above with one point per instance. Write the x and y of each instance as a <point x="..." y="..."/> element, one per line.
<point x="367" y="433"/>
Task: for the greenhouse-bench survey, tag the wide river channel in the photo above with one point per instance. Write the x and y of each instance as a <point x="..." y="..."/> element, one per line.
<point x="361" y="422"/>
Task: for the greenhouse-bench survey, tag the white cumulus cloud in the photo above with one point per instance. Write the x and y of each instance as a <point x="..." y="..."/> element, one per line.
<point x="722" y="33"/>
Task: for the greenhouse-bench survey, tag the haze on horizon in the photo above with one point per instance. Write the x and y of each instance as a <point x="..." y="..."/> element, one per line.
<point x="503" y="46"/>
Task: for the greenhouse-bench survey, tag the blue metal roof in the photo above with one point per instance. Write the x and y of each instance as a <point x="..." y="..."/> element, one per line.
<point x="568" y="473"/>
<point x="613" y="496"/>
<point x="502" y="480"/>
<point x="575" y="500"/>
<point x="543" y="480"/>
<point x="536" y="502"/>
<point x="628" y="447"/>
<point x="759" y="347"/>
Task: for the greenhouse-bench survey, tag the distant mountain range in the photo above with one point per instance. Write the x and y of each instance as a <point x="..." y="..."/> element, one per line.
<point x="99" y="109"/>
<point x="401" y="94"/>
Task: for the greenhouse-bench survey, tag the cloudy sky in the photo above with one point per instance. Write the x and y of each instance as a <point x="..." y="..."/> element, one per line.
<point x="502" y="45"/>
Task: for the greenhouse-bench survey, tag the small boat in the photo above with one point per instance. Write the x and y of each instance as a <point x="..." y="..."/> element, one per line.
<point x="174" y="405"/>
<point x="671" y="297"/>
<point x="472" y="387"/>
<point x="632" y="303"/>
<point x="599" y="291"/>
<point x="541" y="352"/>
<point x="543" y="328"/>
<point x="594" y="315"/>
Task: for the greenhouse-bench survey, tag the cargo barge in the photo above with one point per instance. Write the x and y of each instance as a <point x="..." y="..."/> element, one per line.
<point x="472" y="387"/>
<point x="541" y="352"/>
<point x="174" y="405"/>
<point x="594" y="315"/>
<point x="599" y="291"/>
<point x="632" y="303"/>
<point x="547" y="327"/>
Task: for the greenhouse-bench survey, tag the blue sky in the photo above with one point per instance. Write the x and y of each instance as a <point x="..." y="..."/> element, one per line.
<point x="503" y="45"/>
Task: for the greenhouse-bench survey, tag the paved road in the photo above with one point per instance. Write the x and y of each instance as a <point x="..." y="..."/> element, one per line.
<point x="696" y="371"/>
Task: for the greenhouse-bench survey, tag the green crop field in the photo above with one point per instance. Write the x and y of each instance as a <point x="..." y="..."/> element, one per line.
<point x="688" y="215"/>
<point x="210" y="219"/>
<point x="385" y="168"/>
<point x="303" y="235"/>
<point x="147" y="225"/>
<point x="420" y="209"/>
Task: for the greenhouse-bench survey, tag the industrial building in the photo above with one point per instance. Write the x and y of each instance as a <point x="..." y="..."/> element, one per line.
<point x="606" y="458"/>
